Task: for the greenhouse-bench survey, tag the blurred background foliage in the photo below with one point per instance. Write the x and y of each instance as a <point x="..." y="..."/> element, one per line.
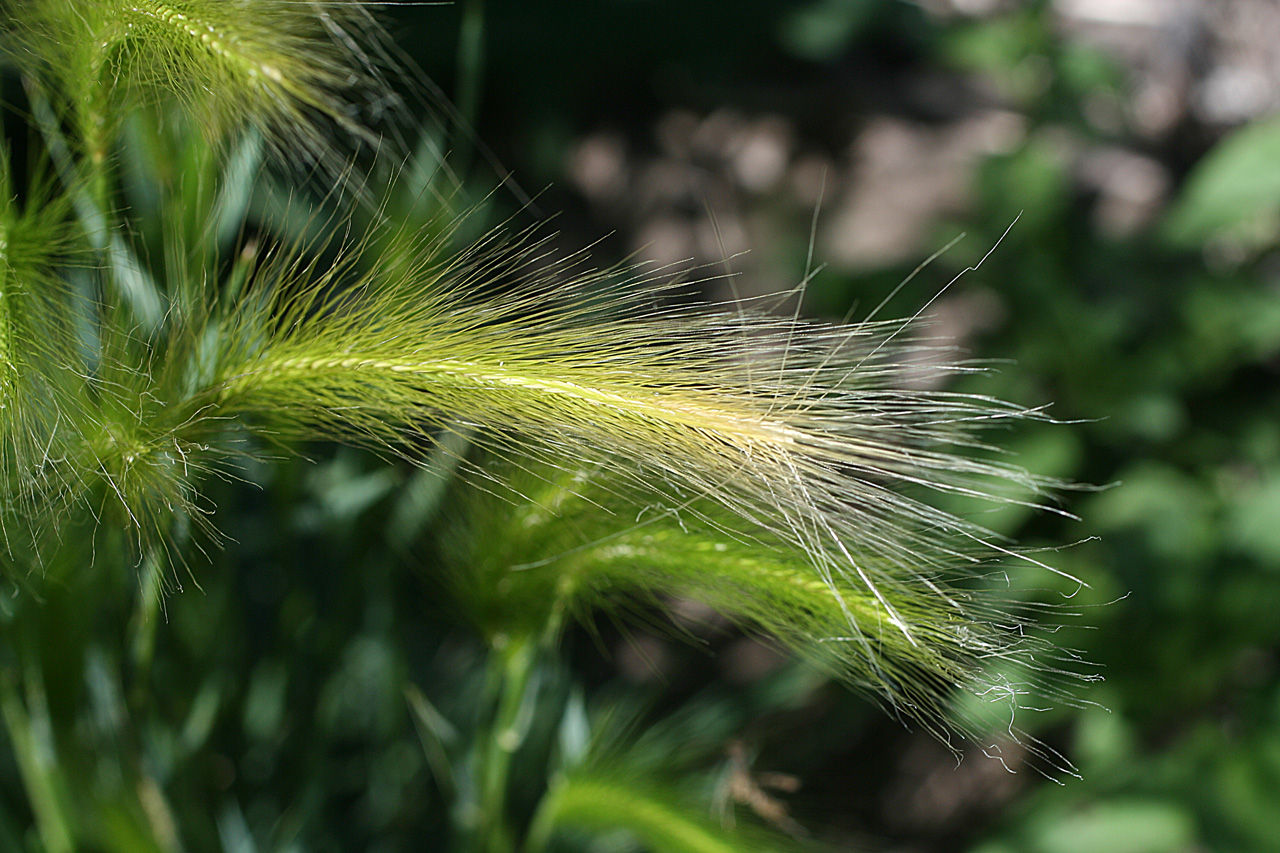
<point x="315" y="675"/>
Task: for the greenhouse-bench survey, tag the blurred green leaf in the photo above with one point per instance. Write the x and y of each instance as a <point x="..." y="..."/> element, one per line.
<point x="823" y="29"/>
<point x="1234" y="191"/>
<point x="1132" y="826"/>
<point x="1254" y="524"/>
<point x="1170" y="508"/>
<point x="594" y="802"/>
<point x="1029" y="185"/>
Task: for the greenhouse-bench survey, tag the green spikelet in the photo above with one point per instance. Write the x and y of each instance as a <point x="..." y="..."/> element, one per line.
<point x="799" y="456"/>
<point x="551" y="544"/>
<point x="803" y="459"/>
<point x="36" y="343"/>
<point x="270" y="61"/>
<point x="8" y="370"/>
<point x="288" y="69"/>
<point x="810" y="431"/>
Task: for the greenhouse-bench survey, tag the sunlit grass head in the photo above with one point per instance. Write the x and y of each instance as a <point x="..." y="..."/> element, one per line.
<point x="796" y="464"/>
<point x="792" y="469"/>
<point x="306" y="75"/>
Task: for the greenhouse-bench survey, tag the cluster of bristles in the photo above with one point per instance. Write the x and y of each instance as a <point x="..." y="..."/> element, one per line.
<point x="784" y="467"/>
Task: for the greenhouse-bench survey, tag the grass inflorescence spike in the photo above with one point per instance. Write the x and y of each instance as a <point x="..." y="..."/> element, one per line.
<point x="795" y="466"/>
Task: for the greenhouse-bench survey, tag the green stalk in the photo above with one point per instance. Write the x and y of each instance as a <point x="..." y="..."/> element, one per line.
<point x="91" y="200"/>
<point x="512" y="663"/>
<point x="8" y="369"/>
<point x="447" y="374"/>
<point x="31" y="740"/>
<point x="146" y="618"/>
<point x="97" y="143"/>
<point x="470" y="74"/>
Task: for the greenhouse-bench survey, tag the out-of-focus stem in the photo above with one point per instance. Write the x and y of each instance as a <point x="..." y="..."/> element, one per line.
<point x="88" y="178"/>
<point x="513" y="662"/>
<point x="36" y="763"/>
<point x="470" y="72"/>
<point x="145" y="620"/>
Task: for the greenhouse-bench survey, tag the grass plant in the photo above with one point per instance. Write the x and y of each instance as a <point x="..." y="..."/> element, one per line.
<point x="160" y="341"/>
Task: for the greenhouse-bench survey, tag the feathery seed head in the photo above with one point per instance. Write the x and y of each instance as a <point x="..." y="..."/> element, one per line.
<point x="289" y="69"/>
<point x="809" y="442"/>
<point x="35" y="337"/>
<point x="549" y="543"/>
<point x="801" y="458"/>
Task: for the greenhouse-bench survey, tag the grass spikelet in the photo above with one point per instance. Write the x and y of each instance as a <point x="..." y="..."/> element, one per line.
<point x="276" y="64"/>
<point x="812" y="431"/>
<point x="815" y="437"/>
<point x="36" y="341"/>
<point x="142" y="472"/>
<point x="295" y="71"/>
<point x="550" y="544"/>
<point x="823" y="445"/>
